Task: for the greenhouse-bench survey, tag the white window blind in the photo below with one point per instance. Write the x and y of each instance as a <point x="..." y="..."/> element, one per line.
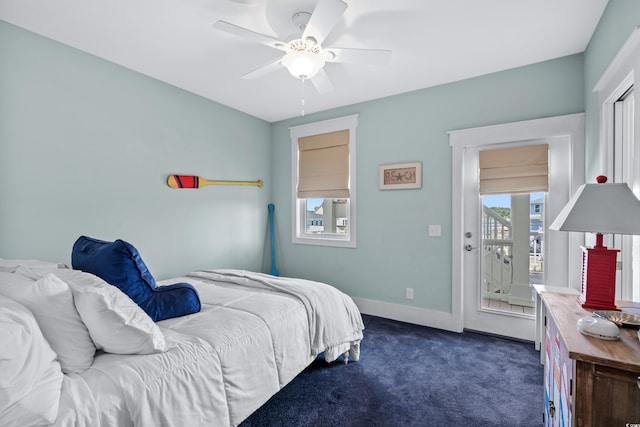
<point x="514" y="170"/>
<point x="323" y="165"/>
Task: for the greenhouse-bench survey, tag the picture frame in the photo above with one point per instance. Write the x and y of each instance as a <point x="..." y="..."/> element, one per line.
<point x="400" y="176"/>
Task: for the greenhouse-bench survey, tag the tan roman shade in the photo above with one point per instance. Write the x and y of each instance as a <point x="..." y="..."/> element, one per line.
<point x="514" y="170"/>
<point x="323" y="165"/>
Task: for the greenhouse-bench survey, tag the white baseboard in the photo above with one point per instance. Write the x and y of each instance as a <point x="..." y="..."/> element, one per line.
<point x="403" y="313"/>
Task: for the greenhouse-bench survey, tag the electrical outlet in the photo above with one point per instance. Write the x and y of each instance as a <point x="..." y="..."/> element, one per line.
<point x="408" y="293"/>
<point x="435" y="230"/>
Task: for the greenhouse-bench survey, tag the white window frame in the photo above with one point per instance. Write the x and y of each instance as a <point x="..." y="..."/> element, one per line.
<point x="614" y="83"/>
<point x="299" y="234"/>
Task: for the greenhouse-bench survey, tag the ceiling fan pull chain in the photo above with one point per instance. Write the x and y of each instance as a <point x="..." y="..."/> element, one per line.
<point x="302" y="100"/>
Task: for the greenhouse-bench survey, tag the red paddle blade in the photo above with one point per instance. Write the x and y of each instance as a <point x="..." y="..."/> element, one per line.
<point x="183" y="181"/>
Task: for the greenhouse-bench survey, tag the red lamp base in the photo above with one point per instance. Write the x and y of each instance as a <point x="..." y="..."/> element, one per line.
<point x="599" y="277"/>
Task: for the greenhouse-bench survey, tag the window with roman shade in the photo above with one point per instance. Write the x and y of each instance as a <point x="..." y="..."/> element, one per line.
<point x="323" y="165"/>
<point x="514" y="170"/>
<point x="323" y="182"/>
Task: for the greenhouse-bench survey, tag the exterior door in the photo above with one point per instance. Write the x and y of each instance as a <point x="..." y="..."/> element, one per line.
<point x="558" y="251"/>
<point x="499" y="298"/>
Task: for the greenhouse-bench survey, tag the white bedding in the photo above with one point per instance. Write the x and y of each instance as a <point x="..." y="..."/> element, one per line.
<point x="253" y="335"/>
<point x="182" y="386"/>
<point x="334" y="320"/>
<point x="259" y="328"/>
<point x="77" y="406"/>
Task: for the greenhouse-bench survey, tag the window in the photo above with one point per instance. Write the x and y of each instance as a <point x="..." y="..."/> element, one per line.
<point x="323" y="182"/>
<point x="512" y="250"/>
<point x="513" y="184"/>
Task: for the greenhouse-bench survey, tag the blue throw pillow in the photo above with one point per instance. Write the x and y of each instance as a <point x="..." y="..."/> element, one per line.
<point x="120" y="264"/>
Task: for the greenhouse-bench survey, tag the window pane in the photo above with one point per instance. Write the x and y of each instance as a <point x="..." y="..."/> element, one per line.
<point x="513" y="256"/>
<point x="327" y="216"/>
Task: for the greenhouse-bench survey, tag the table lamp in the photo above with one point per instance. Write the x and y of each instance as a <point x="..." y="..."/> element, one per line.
<point x="600" y="208"/>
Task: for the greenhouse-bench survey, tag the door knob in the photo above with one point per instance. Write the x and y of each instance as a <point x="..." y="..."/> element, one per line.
<point x="468" y="248"/>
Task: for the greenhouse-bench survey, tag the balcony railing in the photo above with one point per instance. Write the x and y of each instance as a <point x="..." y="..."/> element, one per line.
<point x="497" y="244"/>
<point x="497" y="256"/>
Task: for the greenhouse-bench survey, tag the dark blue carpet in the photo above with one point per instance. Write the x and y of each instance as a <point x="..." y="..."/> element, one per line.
<point x="411" y="375"/>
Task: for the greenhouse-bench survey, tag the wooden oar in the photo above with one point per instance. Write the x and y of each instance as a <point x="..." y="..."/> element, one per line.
<point x="193" y="181"/>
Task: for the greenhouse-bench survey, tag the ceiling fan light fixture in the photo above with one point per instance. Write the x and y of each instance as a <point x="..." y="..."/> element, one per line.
<point x="303" y="64"/>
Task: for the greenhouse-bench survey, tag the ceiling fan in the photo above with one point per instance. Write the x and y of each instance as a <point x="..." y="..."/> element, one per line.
<point x="305" y="57"/>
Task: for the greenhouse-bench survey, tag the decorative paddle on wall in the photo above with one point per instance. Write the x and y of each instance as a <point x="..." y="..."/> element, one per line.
<point x="274" y="270"/>
<point x="193" y="181"/>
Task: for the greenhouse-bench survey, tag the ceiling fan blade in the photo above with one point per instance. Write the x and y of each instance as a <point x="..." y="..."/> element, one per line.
<point x="227" y="27"/>
<point x="360" y="56"/>
<point x="263" y="71"/>
<point x="321" y="82"/>
<point x="325" y="16"/>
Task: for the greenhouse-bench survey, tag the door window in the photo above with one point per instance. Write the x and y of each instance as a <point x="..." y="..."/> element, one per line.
<point x="512" y="250"/>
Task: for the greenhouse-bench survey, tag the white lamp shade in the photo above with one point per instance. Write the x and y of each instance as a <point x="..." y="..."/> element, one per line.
<point x="601" y="208"/>
<point x="303" y="64"/>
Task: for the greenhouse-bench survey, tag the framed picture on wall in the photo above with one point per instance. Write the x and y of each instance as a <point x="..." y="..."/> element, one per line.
<point x="400" y="176"/>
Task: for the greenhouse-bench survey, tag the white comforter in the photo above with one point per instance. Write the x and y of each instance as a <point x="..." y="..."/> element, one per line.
<point x="253" y="335"/>
<point x="334" y="320"/>
<point x="183" y="383"/>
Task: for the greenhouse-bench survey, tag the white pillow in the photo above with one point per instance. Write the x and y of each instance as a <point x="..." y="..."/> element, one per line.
<point x="116" y="323"/>
<point x="30" y="377"/>
<point x="8" y="280"/>
<point x="51" y="302"/>
<point x="34" y="272"/>
<point x="10" y="265"/>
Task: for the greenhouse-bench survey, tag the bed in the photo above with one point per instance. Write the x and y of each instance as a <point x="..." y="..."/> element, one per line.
<point x="99" y="359"/>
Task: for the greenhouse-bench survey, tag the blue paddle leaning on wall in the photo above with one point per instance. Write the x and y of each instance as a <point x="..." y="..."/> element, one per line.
<point x="274" y="270"/>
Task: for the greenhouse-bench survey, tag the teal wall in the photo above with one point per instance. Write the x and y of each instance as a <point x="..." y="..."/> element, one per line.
<point x="85" y="148"/>
<point x="619" y="20"/>
<point x="394" y="251"/>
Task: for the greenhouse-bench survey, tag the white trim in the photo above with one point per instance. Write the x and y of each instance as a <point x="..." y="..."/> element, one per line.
<point x="571" y="126"/>
<point x="324" y="126"/>
<point x="613" y="84"/>
<point x="403" y="313"/>
<point x="318" y="128"/>
<point x="624" y="62"/>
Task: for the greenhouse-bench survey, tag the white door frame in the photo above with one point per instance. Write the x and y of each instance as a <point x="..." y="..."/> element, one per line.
<point x="571" y="126"/>
<point x="621" y="74"/>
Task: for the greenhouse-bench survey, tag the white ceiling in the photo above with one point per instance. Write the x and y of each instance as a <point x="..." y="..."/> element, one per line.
<point x="433" y="42"/>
